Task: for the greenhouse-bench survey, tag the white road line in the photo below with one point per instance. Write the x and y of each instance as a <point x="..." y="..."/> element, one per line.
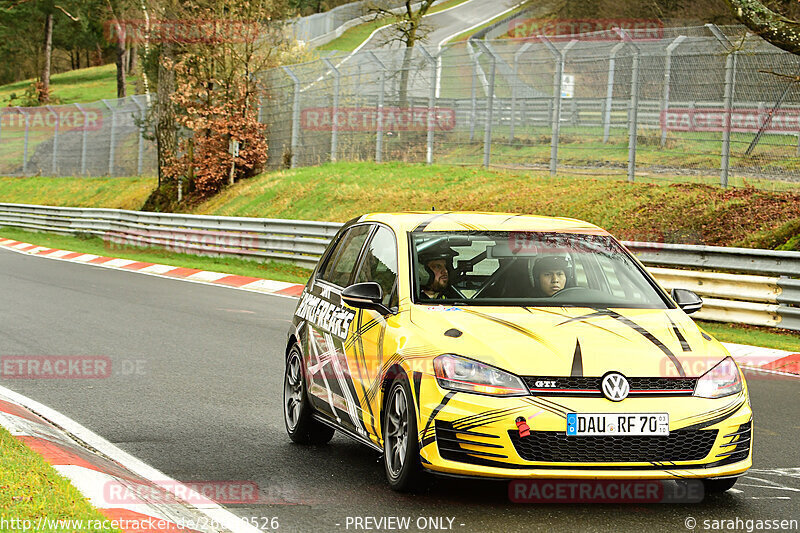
<point x="371" y="35"/>
<point x="212" y="510"/>
<point x="447" y="40"/>
<point x="768" y="371"/>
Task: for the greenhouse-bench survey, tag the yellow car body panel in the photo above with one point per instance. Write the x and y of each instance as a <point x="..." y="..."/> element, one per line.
<point x="526" y="341"/>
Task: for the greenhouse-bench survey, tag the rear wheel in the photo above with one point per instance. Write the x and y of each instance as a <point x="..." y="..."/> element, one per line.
<point x="400" y="444"/>
<point x="718" y="486"/>
<point x="300" y="424"/>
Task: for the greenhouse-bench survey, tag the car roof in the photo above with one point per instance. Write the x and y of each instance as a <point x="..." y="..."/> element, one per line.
<point x="475" y="221"/>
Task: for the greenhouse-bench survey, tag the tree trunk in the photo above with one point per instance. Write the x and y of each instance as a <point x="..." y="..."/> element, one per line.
<point x="121" y="67"/>
<point x="132" y="58"/>
<point x="48" y="52"/>
<point x="403" y="90"/>
<point x="166" y="128"/>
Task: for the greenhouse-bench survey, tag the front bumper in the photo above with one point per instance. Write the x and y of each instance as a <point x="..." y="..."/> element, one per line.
<point x="475" y="435"/>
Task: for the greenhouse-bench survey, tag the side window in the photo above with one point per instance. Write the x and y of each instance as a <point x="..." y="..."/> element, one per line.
<point x="343" y="259"/>
<point x="380" y="265"/>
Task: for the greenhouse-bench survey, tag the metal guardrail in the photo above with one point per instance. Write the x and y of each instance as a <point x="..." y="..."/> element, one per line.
<point x="753" y="298"/>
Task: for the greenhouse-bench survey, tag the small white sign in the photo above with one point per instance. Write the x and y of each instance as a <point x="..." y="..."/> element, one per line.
<point x="233" y="148"/>
<point x="567" y="86"/>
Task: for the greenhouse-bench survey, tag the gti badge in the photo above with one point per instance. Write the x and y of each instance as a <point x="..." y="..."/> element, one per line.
<point x="615" y="387"/>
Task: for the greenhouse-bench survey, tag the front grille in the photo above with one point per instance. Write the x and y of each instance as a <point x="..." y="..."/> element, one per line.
<point x="590" y="386"/>
<point x="556" y="447"/>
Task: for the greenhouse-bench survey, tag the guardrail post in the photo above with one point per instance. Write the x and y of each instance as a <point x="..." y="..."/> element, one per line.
<point x="55" y="138"/>
<point x="83" y="140"/>
<point x="473" y="115"/>
<point x="667" y="74"/>
<point x="25" y="147"/>
<point x="431" y="105"/>
<point x="112" y="141"/>
<point x="487" y="130"/>
<point x="295" y="115"/>
<point x="337" y="79"/>
<point x="612" y="60"/>
<point x="514" y="83"/>
<point x="381" y="96"/>
<point x="141" y="135"/>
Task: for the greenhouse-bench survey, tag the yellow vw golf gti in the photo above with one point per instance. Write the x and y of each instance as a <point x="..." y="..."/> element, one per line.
<point x="509" y="346"/>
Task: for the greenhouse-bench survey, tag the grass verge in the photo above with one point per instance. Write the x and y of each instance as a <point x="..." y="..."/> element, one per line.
<point x="76" y="86"/>
<point x="779" y="339"/>
<point x="111" y="193"/>
<point x="94" y="245"/>
<point x="32" y="489"/>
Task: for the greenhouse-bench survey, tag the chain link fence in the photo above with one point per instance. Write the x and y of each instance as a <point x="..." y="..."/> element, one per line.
<point x="105" y="138"/>
<point x="694" y="104"/>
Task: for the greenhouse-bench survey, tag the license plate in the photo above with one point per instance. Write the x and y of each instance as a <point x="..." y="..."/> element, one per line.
<point x="581" y="424"/>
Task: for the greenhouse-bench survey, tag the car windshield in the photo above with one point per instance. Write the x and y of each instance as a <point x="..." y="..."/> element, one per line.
<point x="538" y="269"/>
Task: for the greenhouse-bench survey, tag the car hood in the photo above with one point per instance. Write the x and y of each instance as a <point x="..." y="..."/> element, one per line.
<point x="559" y="341"/>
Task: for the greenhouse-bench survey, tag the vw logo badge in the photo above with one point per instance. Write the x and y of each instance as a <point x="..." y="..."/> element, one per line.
<point x="615" y="387"/>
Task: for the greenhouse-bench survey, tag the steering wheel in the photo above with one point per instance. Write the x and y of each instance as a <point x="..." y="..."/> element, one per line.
<point x="567" y="290"/>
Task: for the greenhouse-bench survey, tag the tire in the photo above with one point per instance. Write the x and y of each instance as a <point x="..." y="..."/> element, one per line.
<point x="718" y="486"/>
<point x="297" y="412"/>
<point x="400" y="443"/>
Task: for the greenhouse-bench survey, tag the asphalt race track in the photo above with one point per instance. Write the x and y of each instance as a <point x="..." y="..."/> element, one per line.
<point x="196" y="390"/>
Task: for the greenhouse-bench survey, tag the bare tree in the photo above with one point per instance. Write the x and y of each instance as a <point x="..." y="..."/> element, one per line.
<point x="407" y="28"/>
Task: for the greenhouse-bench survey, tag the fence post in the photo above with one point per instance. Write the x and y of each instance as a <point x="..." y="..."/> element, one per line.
<point x="112" y="138"/>
<point x="667" y="74"/>
<point x="514" y="82"/>
<point x="55" y="138"/>
<point x="381" y="96"/>
<point x="141" y="135"/>
<point x="730" y="73"/>
<point x="335" y="112"/>
<point x="559" y="57"/>
<point x="612" y="60"/>
<point x="25" y="147"/>
<point x="295" y="115"/>
<point x="83" y="140"/>
<point x="473" y="116"/>
<point x="431" y="105"/>
<point x="487" y="130"/>
<point x="730" y="79"/>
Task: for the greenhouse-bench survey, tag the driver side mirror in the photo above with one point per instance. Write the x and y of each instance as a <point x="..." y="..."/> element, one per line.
<point x="367" y="295"/>
<point x="687" y="300"/>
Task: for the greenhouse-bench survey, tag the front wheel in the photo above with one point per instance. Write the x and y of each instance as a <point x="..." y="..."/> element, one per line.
<point x="297" y="413"/>
<point x="400" y="443"/>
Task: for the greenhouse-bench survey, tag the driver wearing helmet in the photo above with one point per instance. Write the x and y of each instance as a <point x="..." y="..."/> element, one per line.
<point x="550" y="275"/>
<point x="437" y="264"/>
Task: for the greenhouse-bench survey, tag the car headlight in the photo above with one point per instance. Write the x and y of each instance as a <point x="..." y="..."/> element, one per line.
<point x="461" y="374"/>
<point x="722" y="380"/>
